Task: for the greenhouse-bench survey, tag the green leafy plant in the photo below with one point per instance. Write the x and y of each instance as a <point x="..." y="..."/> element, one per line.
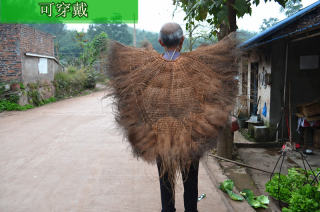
<point x="10" y="106"/>
<point x="255" y="201"/>
<point x="34" y="97"/>
<point x="227" y="186"/>
<point x="91" y="79"/>
<point x="295" y="189"/>
<point x="69" y="83"/>
<point x="49" y="100"/>
<point x="13" y="98"/>
<point x="22" y="87"/>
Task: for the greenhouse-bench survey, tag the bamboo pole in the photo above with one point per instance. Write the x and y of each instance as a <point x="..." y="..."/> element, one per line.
<point x="238" y="163"/>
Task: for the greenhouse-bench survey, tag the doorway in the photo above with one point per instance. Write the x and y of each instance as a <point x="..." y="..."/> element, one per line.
<point x="254" y="88"/>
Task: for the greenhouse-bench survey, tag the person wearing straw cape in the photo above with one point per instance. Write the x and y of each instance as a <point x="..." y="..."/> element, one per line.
<point x="173" y="107"/>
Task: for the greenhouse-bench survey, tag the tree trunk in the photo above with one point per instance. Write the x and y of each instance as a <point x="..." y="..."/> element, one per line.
<point x="232" y="16"/>
<point x="231" y="26"/>
<point x="225" y="143"/>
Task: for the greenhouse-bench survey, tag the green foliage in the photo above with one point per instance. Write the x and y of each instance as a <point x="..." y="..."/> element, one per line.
<point x="34" y="97"/>
<point x="307" y="198"/>
<point x="99" y="43"/>
<point x="118" y="32"/>
<point x="71" y="83"/>
<point x="10" y="101"/>
<point x="2" y="90"/>
<point x="33" y="94"/>
<point x="22" y="87"/>
<point x="91" y="79"/>
<point x="216" y="13"/>
<point x="227" y="186"/>
<point x="91" y="50"/>
<point x="267" y="23"/>
<point x="71" y="69"/>
<point x="142" y="36"/>
<point x="14" y="98"/>
<point x="295" y="189"/>
<point x="291" y="7"/>
<point x="69" y="50"/>
<point x="49" y="100"/>
<point x="244" y="35"/>
<point x="152" y="37"/>
<point x="256" y="202"/>
<point x="66" y="48"/>
<point x="9" y="105"/>
<point x="6" y="105"/>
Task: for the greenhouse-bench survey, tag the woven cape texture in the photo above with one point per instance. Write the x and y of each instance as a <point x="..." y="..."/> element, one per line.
<point x="173" y="110"/>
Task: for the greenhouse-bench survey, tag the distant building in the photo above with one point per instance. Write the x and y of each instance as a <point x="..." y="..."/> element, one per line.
<point x="281" y="70"/>
<point x="26" y="55"/>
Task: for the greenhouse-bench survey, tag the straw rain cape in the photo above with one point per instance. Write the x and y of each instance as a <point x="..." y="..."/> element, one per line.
<point x="173" y="110"/>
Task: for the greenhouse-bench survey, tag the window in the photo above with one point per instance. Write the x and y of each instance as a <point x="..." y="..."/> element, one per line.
<point x="43" y="65"/>
<point x="309" y="62"/>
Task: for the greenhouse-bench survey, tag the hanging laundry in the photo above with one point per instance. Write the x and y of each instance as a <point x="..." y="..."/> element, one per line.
<point x="264" y="110"/>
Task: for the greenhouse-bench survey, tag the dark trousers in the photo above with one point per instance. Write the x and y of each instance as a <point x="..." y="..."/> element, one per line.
<point x="190" y="184"/>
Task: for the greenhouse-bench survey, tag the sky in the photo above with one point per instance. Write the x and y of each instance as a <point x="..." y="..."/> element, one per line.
<point x="154" y="13"/>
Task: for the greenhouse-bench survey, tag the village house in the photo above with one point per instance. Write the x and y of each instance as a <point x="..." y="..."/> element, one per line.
<point x="280" y="77"/>
<point x="27" y="57"/>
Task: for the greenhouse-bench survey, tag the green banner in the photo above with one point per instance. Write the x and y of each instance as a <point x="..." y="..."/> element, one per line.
<point x="68" y="11"/>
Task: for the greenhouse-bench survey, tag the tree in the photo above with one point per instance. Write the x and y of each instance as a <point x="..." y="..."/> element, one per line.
<point x="267" y="23"/>
<point x="91" y="49"/>
<point x="291" y="7"/>
<point x="220" y="14"/>
<point x="142" y="36"/>
<point x="118" y="32"/>
<point x="244" y="35"/>
<point x="198" y="35"/>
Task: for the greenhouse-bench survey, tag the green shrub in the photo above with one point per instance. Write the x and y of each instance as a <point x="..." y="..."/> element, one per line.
<point x="73" y="82"/>
<point x="295" y="189"/>
<point x="49" y="100"/>
<point x="71" y="69"/>
<point x="34" y="97"/>
<point x="22" y="87"/>
<point x="10" y="106"/>
<point x="13" y="98"/>
<point x="91" y="80"/>
<point x="69" y="84"/>
<point x="2" y="90"/>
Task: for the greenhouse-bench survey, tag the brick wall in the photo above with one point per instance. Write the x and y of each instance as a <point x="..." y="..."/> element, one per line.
<point x="15" y="41"/>
<point x="10" y="55"/>
<point x="34" y="41"/>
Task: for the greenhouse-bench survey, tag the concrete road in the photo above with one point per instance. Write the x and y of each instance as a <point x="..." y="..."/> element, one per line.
<point x="70" y="156"/>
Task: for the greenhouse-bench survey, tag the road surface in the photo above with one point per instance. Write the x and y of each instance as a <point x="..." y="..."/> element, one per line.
<point x="70" y="156"/>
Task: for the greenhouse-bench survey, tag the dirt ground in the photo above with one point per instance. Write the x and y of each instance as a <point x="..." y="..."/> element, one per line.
<point x="70" y="156"/>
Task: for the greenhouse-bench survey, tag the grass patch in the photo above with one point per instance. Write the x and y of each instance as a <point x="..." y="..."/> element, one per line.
<point x="11" y="106"/>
